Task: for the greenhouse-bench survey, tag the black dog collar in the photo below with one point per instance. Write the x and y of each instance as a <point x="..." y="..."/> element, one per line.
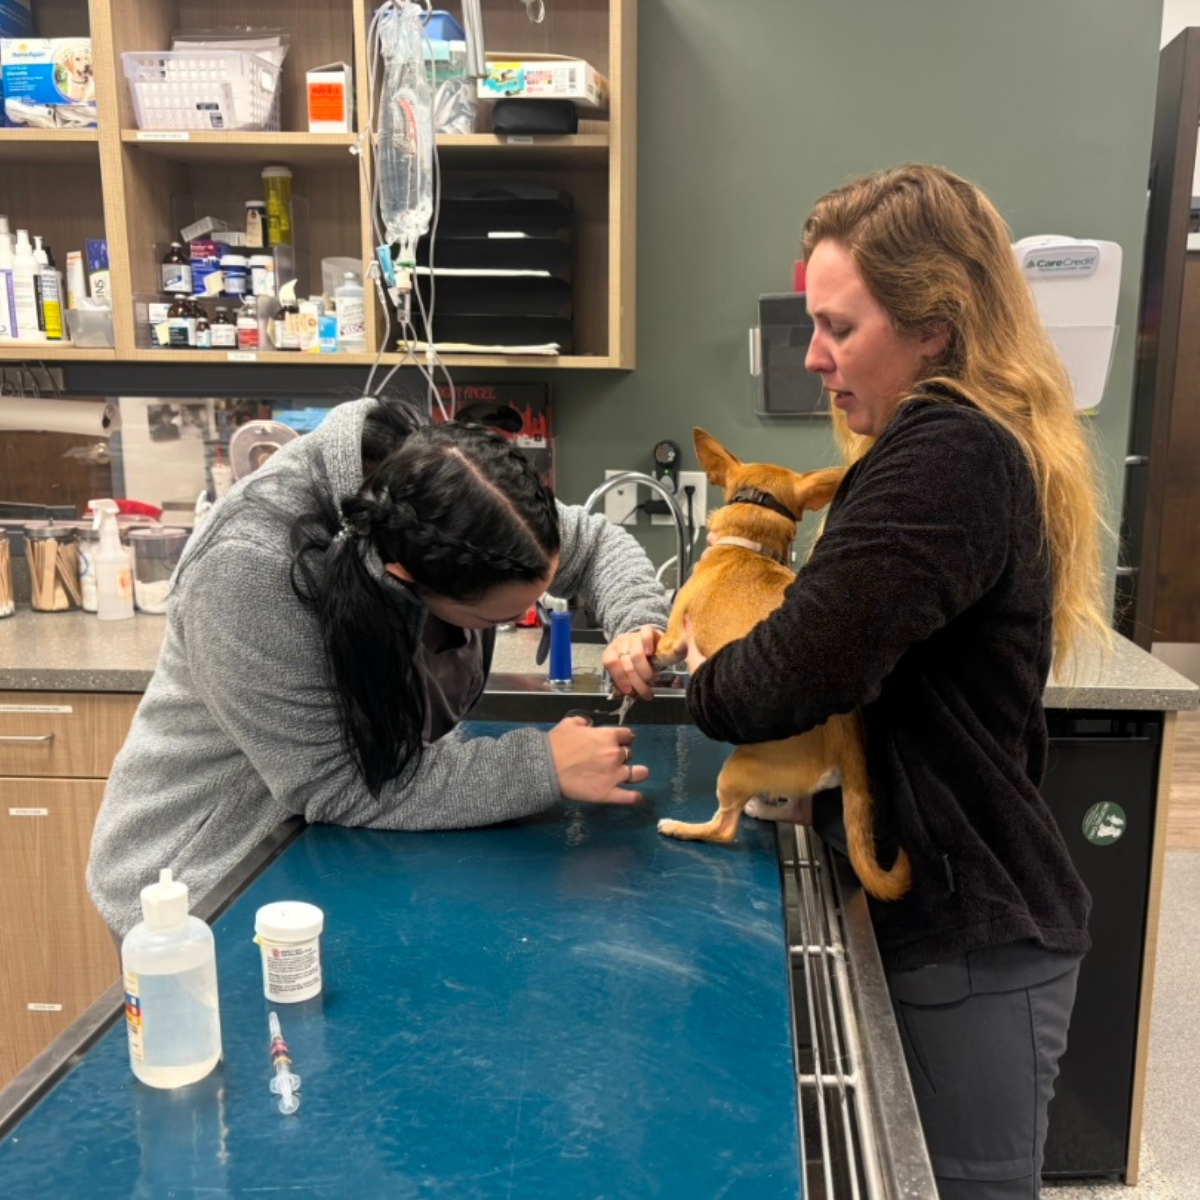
<point x="762" y="499"/>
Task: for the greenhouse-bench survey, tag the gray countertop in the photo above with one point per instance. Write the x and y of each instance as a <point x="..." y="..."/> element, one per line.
<point x="74" y="652"/>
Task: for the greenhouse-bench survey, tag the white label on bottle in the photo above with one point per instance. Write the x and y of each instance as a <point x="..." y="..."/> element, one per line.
<point x="36" y="708"/>
<point x="291" y="970"/>
<point x="163" y="135"/>
<point x="241" y="356"/>
<point x="28" y="812"/>
<point x="133" y="1017"/>
<point x="44" y="1007"/>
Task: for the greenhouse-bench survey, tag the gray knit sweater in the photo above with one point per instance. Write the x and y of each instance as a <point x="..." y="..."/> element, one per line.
<point x="237" y="729"/>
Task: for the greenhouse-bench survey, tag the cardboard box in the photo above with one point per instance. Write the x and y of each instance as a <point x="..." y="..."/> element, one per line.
<point x="544" y="77"/>
<point x="330" y="92"/>
<point x="53" y="71"/>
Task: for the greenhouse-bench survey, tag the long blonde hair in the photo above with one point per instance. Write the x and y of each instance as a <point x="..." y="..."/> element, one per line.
<point x="935" y="254"/>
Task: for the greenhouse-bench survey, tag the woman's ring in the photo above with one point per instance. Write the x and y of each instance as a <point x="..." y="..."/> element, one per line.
<point x="627" y="754"/>
<point x="629" y="768"/>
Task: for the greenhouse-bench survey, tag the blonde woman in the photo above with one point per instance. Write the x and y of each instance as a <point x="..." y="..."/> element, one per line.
<point x="959" y="556"/>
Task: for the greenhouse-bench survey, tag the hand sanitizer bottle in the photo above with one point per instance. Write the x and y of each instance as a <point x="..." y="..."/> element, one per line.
<point x="171" y="1009"/>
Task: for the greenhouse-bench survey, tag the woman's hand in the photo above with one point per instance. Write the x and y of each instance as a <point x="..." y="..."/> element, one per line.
<point x="694" y="658"/>
<point x="593" y="764"/>
<point x="627" y="661"/>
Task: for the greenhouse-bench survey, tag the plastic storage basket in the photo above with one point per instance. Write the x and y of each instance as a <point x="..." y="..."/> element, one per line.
<point x="202" y="89"/>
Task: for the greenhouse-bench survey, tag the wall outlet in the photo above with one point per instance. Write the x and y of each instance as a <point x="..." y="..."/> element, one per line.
<point x="697" y="480"/>
<point x="620" y="504"/>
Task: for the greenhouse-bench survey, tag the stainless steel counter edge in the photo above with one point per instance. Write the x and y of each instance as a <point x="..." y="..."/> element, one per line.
<point x="75" y="652"/>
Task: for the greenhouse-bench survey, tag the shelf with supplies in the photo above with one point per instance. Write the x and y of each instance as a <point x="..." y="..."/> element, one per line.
<point x="128" y="182"/>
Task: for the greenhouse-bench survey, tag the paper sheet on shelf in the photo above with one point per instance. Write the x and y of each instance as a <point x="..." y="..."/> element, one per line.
<point x="548" y="349"/>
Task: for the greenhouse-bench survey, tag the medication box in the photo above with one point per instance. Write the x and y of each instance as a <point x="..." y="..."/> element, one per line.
<point x="330" y="99"/>
<point x="48" y="70"/>
<point x="544" y="77"/>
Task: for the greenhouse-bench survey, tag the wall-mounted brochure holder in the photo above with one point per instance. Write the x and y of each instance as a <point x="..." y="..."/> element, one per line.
<point x="781" y="385"/>
<point x="1087" y="353"/>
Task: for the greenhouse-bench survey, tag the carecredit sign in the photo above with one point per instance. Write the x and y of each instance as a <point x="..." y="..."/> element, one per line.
<point x="1054" y="263"/>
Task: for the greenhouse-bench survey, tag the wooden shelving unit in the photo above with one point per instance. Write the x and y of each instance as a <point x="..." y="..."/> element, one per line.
<point x="128" y="185"/>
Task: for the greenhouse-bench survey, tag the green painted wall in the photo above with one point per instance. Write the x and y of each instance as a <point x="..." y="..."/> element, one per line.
<point x="748" y="112"/>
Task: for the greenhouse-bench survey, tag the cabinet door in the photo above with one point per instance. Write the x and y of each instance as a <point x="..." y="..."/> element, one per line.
<point x="57" y="953"/>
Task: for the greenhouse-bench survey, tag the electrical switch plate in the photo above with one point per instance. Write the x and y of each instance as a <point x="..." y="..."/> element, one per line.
<point x="697" y="480"/>
<point x="620" y="504"/>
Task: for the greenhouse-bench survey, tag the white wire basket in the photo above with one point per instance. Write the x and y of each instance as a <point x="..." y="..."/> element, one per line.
<point x="202" y="89"/>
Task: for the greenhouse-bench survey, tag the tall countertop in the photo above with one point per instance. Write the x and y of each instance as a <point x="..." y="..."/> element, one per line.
<point x="76" y="652"/>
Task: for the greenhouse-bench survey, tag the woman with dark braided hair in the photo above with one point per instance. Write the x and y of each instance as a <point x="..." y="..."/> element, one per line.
<point x="329" y="626"/>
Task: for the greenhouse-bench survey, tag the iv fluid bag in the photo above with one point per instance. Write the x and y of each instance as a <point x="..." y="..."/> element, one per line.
<point x="405" y="156"/>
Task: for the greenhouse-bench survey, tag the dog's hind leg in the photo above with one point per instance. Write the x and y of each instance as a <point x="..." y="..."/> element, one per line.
<point x="735" y="786"/>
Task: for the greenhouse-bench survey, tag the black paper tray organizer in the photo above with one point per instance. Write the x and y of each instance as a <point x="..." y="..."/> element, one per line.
<point x="503" y="265"/>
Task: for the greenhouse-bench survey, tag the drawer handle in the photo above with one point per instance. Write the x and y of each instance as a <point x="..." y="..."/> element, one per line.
<point x="37" y="737"/>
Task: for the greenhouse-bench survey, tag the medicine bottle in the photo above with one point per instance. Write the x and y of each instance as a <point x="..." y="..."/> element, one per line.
<point x="203" y="331"/>
<point x="171" y="1007"/>
<point x="247" y="325"/>
<point x="179" y="325"/>
<point x="224" y="332"/>
<point x="177" y="271"/>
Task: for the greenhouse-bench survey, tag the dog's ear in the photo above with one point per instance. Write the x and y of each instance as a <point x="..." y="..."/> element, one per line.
<point x="714" y="458"/>
<point x="815" y="489"/>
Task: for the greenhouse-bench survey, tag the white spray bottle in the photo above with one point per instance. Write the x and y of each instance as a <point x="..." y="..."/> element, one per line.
<point x="114" y="579"/>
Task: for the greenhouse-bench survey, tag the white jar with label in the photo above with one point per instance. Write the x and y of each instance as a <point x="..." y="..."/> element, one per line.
<point x="289" y="934"/>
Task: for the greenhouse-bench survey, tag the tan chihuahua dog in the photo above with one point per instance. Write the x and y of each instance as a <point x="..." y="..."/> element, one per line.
<point x="738" y="582"/>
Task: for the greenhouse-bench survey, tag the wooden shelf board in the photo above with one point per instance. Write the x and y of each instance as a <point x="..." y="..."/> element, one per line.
<point x="288" y="149"/>
<point x="49" y="145"/>
<point x="45" y="352"/>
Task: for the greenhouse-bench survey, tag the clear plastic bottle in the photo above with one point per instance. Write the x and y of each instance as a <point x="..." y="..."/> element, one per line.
<point x="406" y="132"/>
<point x="351" y="316"/>
<point x="171" y="1008"/>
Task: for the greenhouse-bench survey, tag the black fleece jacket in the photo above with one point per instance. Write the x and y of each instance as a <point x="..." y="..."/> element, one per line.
<point x="926" y="603"/>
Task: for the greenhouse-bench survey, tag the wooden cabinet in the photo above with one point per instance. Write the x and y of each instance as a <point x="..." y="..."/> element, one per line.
<point x="131" y="186"/>
<point x="55" y="751"/>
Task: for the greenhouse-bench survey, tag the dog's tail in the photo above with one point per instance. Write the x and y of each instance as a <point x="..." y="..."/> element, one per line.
<point x="858" y="811"/>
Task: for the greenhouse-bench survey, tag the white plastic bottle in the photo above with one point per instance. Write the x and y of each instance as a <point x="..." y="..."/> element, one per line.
<point x="25" y="270"/>
<point x="114" y="579"/>
<point x="7" y="299"/>
<point x="351" y="316"/>
<point x="171" y="1006"/>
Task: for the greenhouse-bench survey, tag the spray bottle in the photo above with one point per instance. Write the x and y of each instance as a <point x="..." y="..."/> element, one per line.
<point x="171" y="1002"/>
<point x="114" y="579"/>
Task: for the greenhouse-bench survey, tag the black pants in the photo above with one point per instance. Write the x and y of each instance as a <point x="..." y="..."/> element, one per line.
<point x="982" y="1034"/>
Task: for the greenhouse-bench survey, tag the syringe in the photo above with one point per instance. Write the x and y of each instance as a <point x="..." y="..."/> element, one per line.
<point x="284" y="1084"/>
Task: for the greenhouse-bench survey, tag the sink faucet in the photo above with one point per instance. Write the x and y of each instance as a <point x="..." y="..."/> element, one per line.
<point x="657" y="485"/>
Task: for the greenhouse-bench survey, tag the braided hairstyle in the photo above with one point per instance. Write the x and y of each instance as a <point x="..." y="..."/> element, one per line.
<point x="463" y="512"/>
